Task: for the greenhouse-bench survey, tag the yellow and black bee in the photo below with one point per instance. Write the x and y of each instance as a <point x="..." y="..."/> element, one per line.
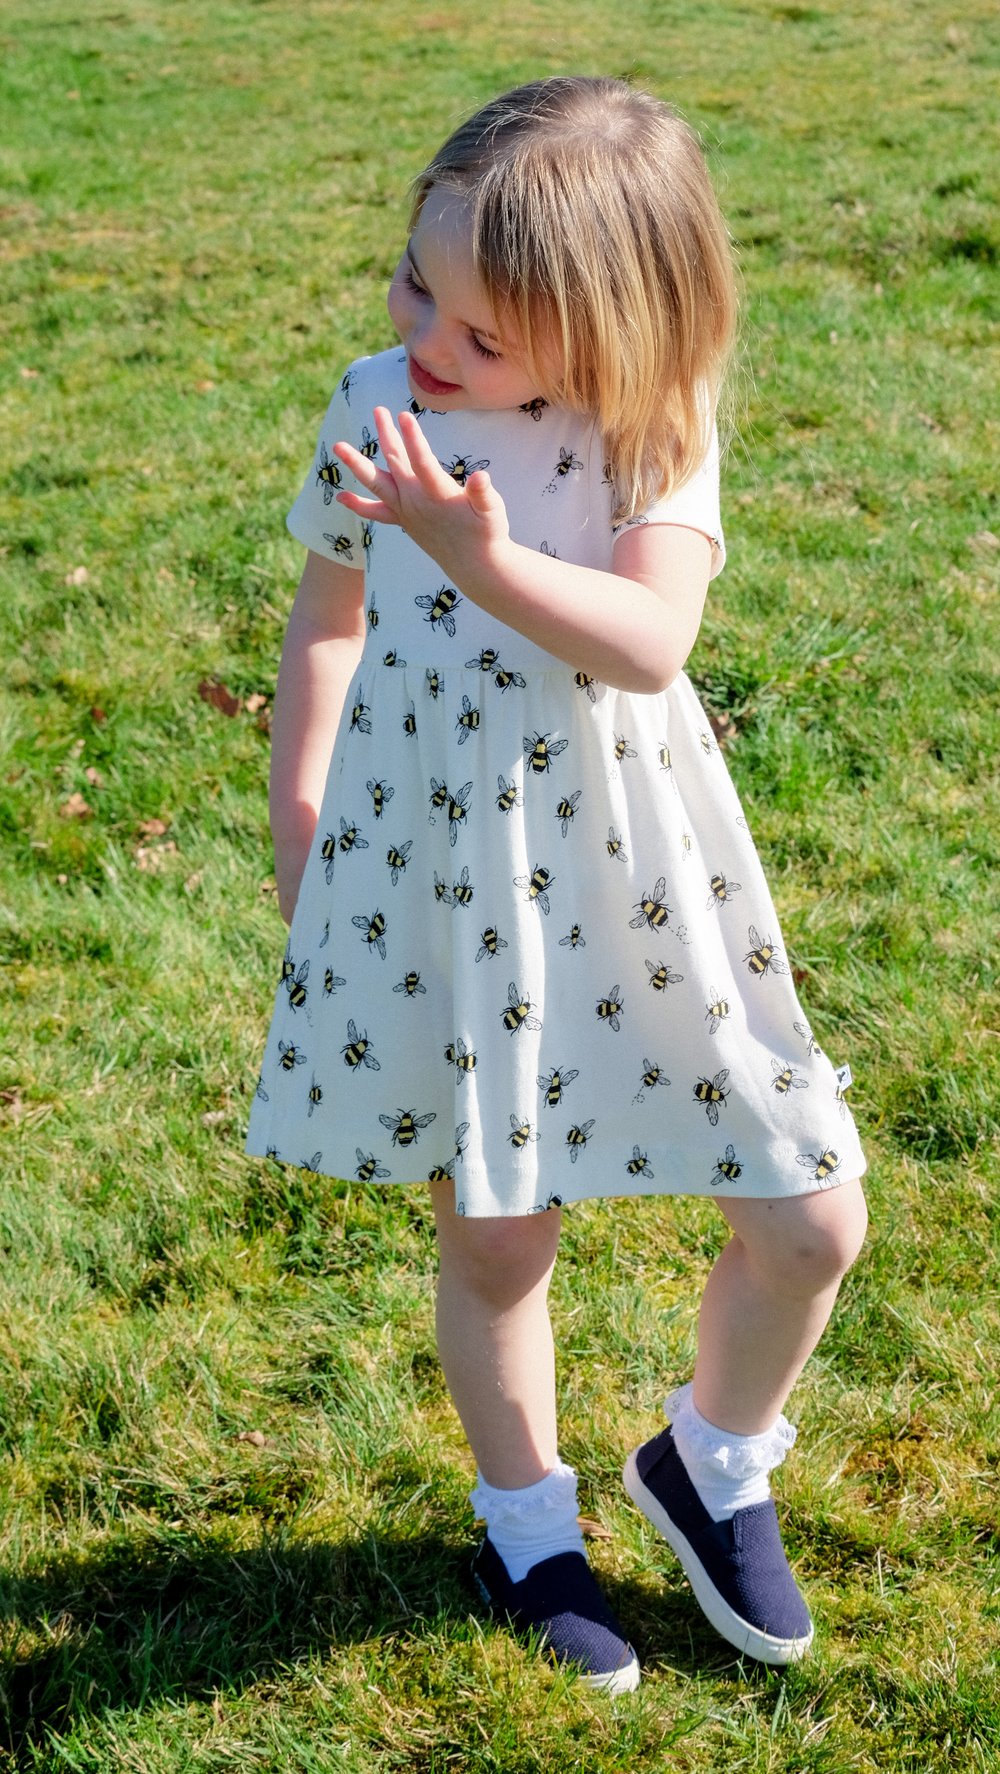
<point x="328" y="474"/>
<point x="367" y="540"/>
<point x="380" y="793"/>
<point x="651" y="909"/>
<point x="538" y="884"/>
<point x="520" y="1133"/>
<point x="573" y="938"/>
<point x="685" y="846"/>
<point x="410" y="722"/>
<point x="555" y="1084"/>
<point x="369" y="1167"/>
<point x="311" y="1164"/>
<point x="576" y="1140"/>
<point x="392" y="659"/>
<point x="297" y="993"/>
<point x="315" y="1095"/>
<point x="812" y="1045"/>
<point x="720" y="890"/>
<point x="566" y="462"/>
<point x="358" y="1050"/>
<point x="711" y="1093"/>
<point x="372" y="617"/>
<point x="439" y="793"/>
<point x="328" y="851"/>
<point x="727" y="1169"/>
<point x="397" y="859"/>
<point x="463" y="1060"/>
<point x="534" y="408"/>
<point x="458" y="810"/>
<point x="716" y="1013"/>
<point x="844" y="1082"/>
<point x="786" y="1078"/>
<point x="503" y="679"/>
<point x="359" y="718"/>
<point x="460" y="468"/>
<point x="652" y="1075"/>
<point x="331" y="982"/>
<point x="347" y="383"/>
<point x="660" y="976"/>
<point x="442" y="1173"/>
<point x="609" y="1009"/>
<point x="287" y="966"/>
<point x="341" y="545"/>
<point x="350" y="838"/>
<point x="374" y="929"/>
<point x="566" y="810"/>
<point x="468" y="720"/>
<point x="623" y="749"/>
<point x="413" y="406"/>
<point x="405" y="1126"/>
<point x="462" y="889"/>
<point x="441" y="891"/>
<point x="518" y="1013"/>
<point x="614" y="845"/>
<point x="822" y="1165"/>
<point x="638" y="1165"/>
<point x="550" y="1202"/>
<point x="509" y="796"/>
<point x="486" y="660"/>
<point x="433" y="683"/>
<point x="491" y="942"/>
<point x="440" y="607"/>
<point x="664" y="755"/>
<point x="540" y="753"/>
<point x="707" y="743"/>
<point x="460" y="1133"/>
<point x="324" y="939"/>
<point x="584" y="681"/>
<point x="410" y="984"/>
<point x="368" y="447"/>
<point x="291" y="1056"/>
<point x="763" y="957"/>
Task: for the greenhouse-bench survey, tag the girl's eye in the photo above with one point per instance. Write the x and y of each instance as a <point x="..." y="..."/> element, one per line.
<point x="412" y="284"/>
<point x="484" y="350"/>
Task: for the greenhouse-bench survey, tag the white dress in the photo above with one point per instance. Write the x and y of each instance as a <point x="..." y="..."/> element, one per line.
<point x="534" y="950"/>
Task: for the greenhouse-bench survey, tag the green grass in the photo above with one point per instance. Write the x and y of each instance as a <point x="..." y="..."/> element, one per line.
<point x="200" y="206"/>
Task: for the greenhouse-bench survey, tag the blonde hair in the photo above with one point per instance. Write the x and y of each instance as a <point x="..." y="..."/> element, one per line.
<point x="595" y="227"/>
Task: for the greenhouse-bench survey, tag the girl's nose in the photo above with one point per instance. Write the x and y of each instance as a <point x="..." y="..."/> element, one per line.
<point x="428" y="341"/>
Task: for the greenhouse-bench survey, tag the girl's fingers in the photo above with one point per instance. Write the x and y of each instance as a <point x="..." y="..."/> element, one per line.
<point x="422" y="459"/>
<point x="373" y="509"/>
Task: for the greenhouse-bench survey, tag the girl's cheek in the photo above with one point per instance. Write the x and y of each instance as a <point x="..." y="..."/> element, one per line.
<point x="399" y="307"/>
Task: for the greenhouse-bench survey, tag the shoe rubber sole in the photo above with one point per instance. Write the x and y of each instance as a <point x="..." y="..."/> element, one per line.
<point x="615" y="1681"/>
<point x="764" y="1647"/>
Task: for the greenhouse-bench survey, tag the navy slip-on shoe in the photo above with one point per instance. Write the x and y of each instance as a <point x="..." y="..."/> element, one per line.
<point x="559" y="1601"/>
<point x="737" y="1569"/>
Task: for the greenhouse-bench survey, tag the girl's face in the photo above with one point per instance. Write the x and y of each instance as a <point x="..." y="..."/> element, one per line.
<point x="455" y="358"/>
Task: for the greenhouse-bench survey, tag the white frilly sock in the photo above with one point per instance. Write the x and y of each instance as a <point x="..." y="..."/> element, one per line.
<point x="728" y="1471"/>
<point x="528" y="1525"/>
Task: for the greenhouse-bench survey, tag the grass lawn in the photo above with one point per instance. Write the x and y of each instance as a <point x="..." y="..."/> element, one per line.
<point x="233" y="1527"/>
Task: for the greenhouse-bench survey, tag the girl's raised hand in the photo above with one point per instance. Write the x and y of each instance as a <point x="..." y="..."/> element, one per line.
<point x="450" y="522"/>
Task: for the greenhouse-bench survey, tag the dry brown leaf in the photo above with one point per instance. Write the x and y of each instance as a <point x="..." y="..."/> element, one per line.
<point x="75" y="807"/>
<point x="211" y="691"/>
<point x="255" y="1437"/>
<point x="94" y="777"/>
<point x="256" y="700"/>
<point x="593" y="1530"/>
<point x="153" y="828"/>
<point x="204" y="387"/>
<point x="76" y="576"/>
<point x="98" y="716"/>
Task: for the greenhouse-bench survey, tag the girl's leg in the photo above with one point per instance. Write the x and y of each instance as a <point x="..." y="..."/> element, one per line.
<point x="495" y="1339"/>
<point x="768" y="1299"/>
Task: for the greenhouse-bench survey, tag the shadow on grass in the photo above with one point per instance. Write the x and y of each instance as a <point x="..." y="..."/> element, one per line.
<point x="139" y="1621"/>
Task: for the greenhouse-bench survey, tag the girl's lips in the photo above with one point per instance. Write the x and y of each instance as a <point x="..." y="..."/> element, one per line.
<point x="428" y="383"/>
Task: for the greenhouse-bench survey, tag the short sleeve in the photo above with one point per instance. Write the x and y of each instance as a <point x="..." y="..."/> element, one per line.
<point x="316" y="518"/>
<point x="695" y="505"/>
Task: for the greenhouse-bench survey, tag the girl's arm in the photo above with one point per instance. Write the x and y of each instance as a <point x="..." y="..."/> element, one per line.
<point x="632" y="627"/>
<point x="323" y="643"/>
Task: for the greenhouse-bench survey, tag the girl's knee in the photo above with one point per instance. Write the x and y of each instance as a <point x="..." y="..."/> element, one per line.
<point x="499" y="1259"/>
<point x="807" y="1243"/>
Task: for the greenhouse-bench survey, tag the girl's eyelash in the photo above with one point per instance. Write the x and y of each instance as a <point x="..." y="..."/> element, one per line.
<point x="418" y="289"/>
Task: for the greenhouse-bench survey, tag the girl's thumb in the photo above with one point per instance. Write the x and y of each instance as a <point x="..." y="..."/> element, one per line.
<point x="480" y="490"/>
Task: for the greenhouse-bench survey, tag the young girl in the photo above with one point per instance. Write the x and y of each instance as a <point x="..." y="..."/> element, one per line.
<point x="532" y="956"/>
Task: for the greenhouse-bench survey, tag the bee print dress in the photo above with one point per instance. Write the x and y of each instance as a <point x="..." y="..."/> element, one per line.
<point x="534" y="952"/>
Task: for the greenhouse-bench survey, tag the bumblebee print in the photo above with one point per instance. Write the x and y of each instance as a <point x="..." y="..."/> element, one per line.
<point x="405" y="1126"/>
<point x="358" y="1051"/>
<point x="587" y="835"/>
<point x="537" y="884"/>
<point x="540" y="753"/>
<point x="609" y="1009"/>
<point x="712" y="1094"/>
<point x="491" y="944"/>
<point x="727" y="1169"/>
<point x="440" y="608"/>
<point x="547" y="1205"/>
<point x="555" y="1084"/>
<point x="328" y="474"/>
<point x="374" y="929"/>
<point x="763" y="956"/>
